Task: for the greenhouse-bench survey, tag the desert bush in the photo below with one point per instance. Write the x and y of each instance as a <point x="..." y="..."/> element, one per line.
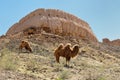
<point x="32" y="65"/>
<point x="63" y="76"/>
<point x="59" y="79"/>
<point x="101" y="78"/>
<point x="7" y="60"/>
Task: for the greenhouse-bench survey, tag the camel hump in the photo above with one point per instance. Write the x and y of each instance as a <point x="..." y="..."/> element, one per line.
<point x="60" y="46"/>
<point x="67" y="46"/>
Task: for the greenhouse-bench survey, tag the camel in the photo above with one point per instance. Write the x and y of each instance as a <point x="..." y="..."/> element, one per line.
<point x="25" y="44"/>
<point x="66" y="51"/>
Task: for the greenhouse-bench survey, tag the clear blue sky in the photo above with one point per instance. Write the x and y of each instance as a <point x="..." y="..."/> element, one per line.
<point x="102" y="15"/>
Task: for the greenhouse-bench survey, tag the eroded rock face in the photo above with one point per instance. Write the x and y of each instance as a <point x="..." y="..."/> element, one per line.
<point x="116" y="42"/>
<point x="113" y="43"/>
<point x="58" y="22"/>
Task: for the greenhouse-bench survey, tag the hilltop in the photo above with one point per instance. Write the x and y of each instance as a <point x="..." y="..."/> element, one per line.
<point x="56" y="22"/>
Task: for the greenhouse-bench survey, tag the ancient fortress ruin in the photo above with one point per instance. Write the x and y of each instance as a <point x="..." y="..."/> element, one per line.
<point x="54" y="21"/>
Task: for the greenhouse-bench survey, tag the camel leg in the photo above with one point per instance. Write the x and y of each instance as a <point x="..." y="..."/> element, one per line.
<point x="27" y="49"/>
<point x="57" y="58"/>
<point x="67" y="62"/>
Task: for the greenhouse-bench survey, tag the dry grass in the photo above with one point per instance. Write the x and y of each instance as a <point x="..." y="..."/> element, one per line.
<point x="45" y="67"/>
<point x="102" y="78"/>
<point x="93" y="64"/>
<point x="64" y="75"/>
<point x="8" y="61"/>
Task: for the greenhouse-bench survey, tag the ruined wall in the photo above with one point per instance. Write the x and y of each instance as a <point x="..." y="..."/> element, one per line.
<point x="59" y="22"/>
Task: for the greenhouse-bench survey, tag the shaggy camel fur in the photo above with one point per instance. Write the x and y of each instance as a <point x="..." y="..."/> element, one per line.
<point x="66" y="51"/>
<point x="25" y="45"/>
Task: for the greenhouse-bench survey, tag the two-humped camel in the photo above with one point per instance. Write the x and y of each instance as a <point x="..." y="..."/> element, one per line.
<point x="66" y="51"/>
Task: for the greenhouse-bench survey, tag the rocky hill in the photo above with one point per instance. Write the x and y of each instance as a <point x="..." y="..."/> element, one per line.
<point x="44" y="30"/>
<point x="54" y="21"/>
<point x="95" y="61"/>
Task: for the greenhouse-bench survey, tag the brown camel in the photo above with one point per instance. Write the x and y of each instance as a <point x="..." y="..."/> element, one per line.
<point x="25" y="44"/>
<point x="66" y="51"/>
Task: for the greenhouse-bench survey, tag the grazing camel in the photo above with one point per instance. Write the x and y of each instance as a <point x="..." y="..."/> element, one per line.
<point x="25" y="45"/>
<point x="66" y="51"/>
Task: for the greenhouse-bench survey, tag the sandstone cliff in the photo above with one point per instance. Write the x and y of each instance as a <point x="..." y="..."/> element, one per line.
<point x="57" y="21"/>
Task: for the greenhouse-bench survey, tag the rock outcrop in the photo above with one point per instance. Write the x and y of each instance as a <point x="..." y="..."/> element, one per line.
<point x="106" y="40"/>
<point x="55" y="21"/>
<point x="113" y="43"/>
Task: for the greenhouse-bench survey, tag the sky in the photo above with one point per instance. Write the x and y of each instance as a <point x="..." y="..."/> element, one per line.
<point x="103" y="16"/>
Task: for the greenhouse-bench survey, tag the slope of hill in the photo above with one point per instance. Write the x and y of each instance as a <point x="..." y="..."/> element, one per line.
<point x="95" y="61"/>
